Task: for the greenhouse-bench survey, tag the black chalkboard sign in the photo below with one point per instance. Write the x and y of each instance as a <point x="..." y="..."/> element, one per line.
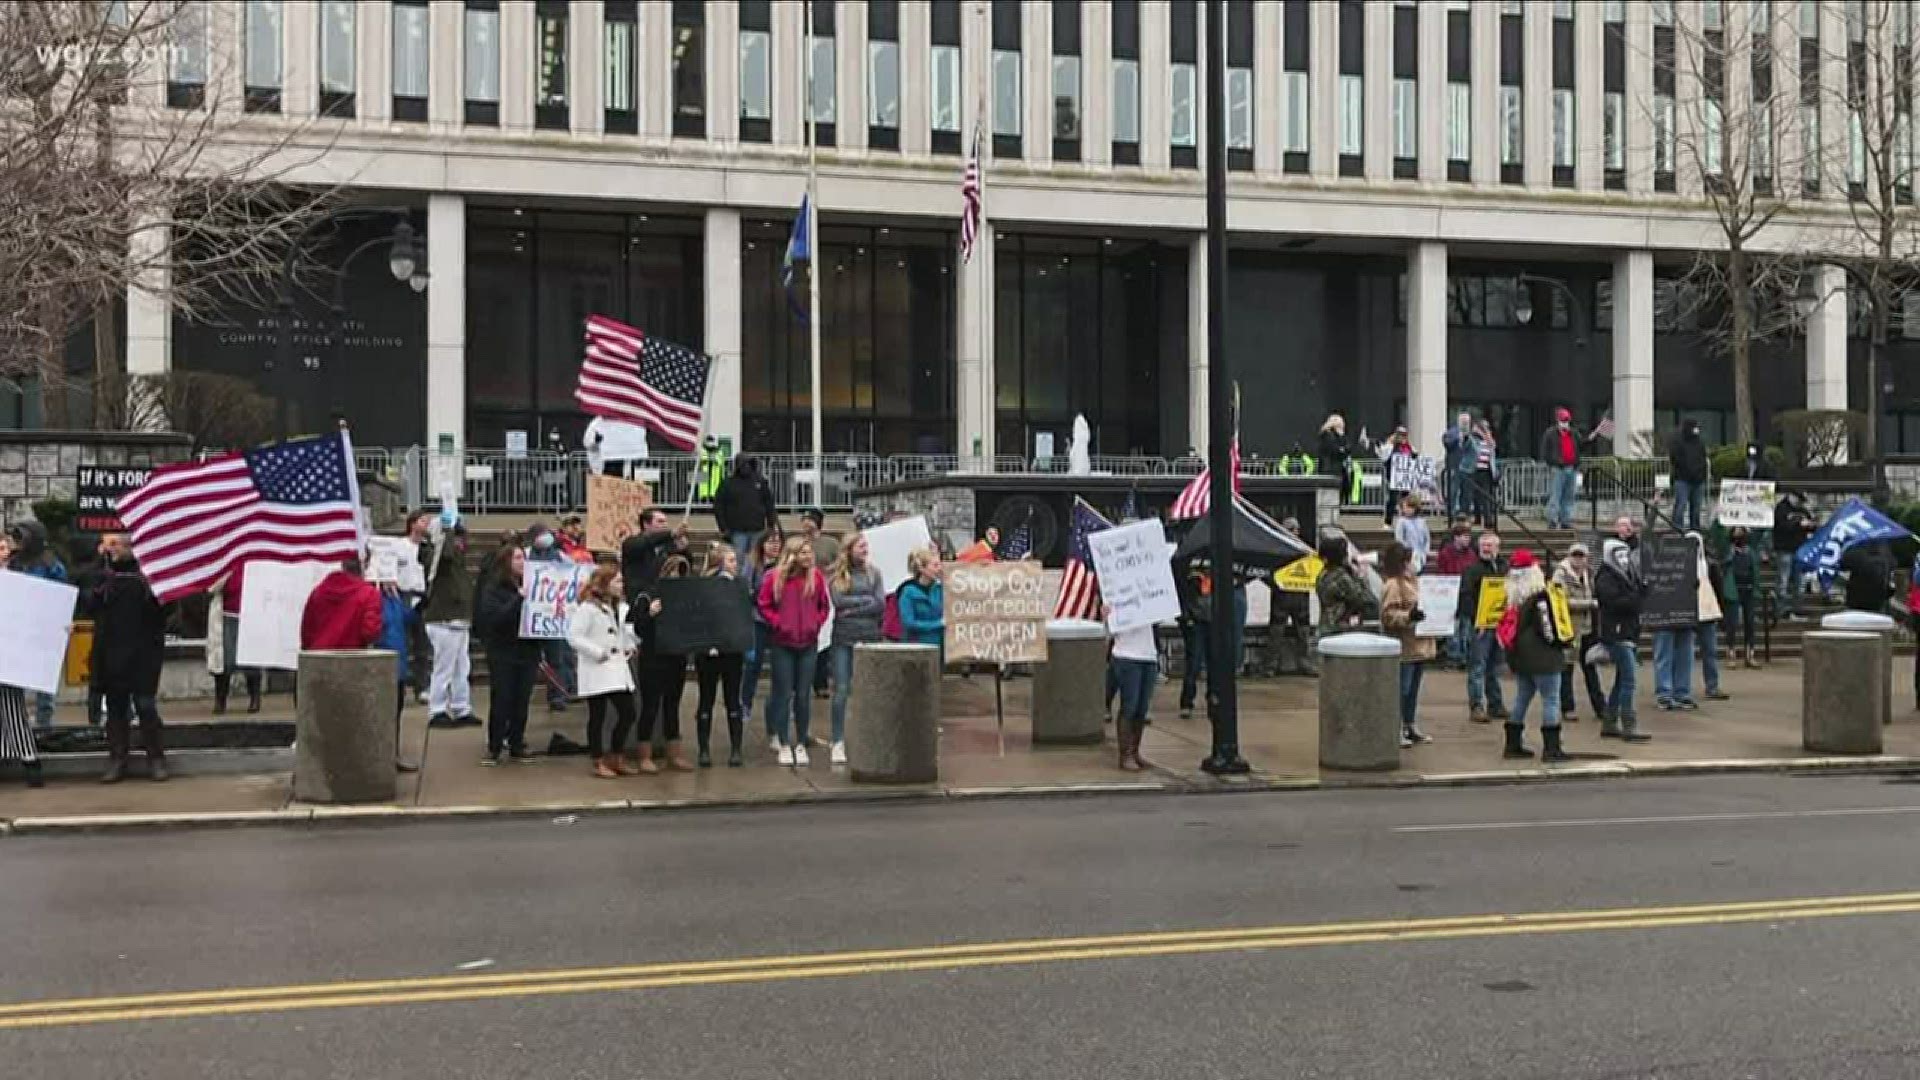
<point x="1671" y="567"/>
<point x="698" y="614"/>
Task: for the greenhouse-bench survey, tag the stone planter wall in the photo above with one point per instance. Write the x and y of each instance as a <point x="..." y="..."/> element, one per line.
<point x="36" y="465"/>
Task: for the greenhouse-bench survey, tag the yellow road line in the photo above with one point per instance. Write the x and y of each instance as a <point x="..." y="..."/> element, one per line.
<point x="957" y="957"/>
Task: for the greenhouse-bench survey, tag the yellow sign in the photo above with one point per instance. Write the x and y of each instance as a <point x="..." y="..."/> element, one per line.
<point x="1562" y="614"/>
<point x="79" y="666"/>
<point x="1492" y="604"/>
<point x="1299" y="575"/>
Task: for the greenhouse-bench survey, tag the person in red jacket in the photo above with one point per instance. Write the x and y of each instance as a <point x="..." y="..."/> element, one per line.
<point x="342" y="613"/>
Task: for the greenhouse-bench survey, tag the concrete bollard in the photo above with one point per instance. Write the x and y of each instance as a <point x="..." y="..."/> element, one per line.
<point x="1359" y="702"/>
<point x="1866" y="622"/>
<point x="1841" y="693"/>
<point x="1070" y="689"/>
<point x="343" y="747"/>
<point x="893" y="716"/>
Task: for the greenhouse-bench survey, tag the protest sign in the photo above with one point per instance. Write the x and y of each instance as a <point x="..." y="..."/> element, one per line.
<point x="1746" y="504"/>
<point x="1300" y="575"/>
<point x="270" y="610"/>
<point x="1670" y="565"/>
<point x="1854" y="523"/>
<point x="1492" y="603"/>
<point x="1562" y="613"/>
<point x="1440" y="600"/>
<point x="1419" y="475"/>
<point x="33" y="636"/>
<point x="889" y="545"/>
<point x="395" y="560"/>
<point x="1259" y="604"/>
<point x="1136" y="576"/>
<point x="551" y="590"/>
<point x="699" y="614"/>
<point x="613" y="510"/>
<point x="97" y="491"/>
<point x="997" y="612"/>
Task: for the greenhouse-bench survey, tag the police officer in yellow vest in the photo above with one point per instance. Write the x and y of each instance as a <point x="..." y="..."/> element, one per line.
<point x="710" y="470"/>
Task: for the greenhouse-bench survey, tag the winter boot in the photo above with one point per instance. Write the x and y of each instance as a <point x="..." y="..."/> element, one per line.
<point x="1630" y="730"/>
<point x="1552" y="752"/>
<point x="253" y="694"/>
<point x="1515" y="748"/>
<point x="1751" y="662"/>
<point x="1609" y="726"/>
<point x="677" y="757"/>
<point x="221" y="684"/>
<point x="34" y="777"/>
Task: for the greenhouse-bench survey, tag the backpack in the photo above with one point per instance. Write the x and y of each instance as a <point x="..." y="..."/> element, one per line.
<point x="890" y="627"/>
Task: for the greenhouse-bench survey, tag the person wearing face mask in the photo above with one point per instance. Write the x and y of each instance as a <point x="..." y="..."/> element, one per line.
<point x="1688" y="459"/>
<point x="1620" y="590"/>
<point x="129" y="648"/>
<point x="448" y="614"/>
<point x="544" y="547"/>
<point x="1560" y="449"/>
<point x="1742" y="576"/>
<point x="512" y="661"/>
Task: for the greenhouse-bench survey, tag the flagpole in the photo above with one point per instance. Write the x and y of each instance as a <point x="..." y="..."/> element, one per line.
<point x="985" y="400"/>
<point x="699" y="441"/>
<point x="813" y="249"/>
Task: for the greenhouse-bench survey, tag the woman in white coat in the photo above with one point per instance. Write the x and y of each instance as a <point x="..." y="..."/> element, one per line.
<point x="603" y="641"/>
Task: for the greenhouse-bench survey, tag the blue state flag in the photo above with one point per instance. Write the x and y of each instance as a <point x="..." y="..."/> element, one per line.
<point x="1854" y="523"/>
<point x="798" y="251"/>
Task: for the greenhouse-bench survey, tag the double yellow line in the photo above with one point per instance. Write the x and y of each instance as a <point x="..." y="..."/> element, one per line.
<point x="384" y="992"/>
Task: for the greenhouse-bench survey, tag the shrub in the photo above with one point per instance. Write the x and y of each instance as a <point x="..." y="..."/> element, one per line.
<point x="1731" y="459"/>
<point x="1821" y="437"/>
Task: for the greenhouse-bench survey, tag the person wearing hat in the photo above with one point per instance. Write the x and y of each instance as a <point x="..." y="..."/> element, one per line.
<point x="1537" y="655"/>
<point x="1574" y="576"/>
<point x="711" y="470"/>
<point x="1560" y="449"/>
<point x="1397" y="446"/>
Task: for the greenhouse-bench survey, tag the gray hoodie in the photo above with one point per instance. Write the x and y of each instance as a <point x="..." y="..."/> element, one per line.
<point x="858" y="608"/>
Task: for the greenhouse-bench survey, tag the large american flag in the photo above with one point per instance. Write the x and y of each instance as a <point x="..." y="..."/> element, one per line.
<point x="1080" y="586"/>
<point x="1017" y="546"/>
<point x="649" y="381"/>
<point x="296" y="501"/>
<point x="970" y="201"/>
<point x="1196" y="498"/>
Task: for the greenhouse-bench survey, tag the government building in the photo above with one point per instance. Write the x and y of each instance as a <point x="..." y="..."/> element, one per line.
<point x="1432" y="205"/>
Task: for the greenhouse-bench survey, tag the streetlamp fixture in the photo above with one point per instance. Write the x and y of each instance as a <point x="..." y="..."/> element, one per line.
<point x="1523" y="303"/>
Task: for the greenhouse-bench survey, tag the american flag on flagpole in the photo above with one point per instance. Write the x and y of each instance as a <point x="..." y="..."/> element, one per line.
<point x="643" y="380"/>
<point x="1016" y="546"/>
<point x="295" y="501"/>
<point x="1080" y="587"/>
<point x="1196" y="498"/>
<point x="970" y="205"/>
<point x="1604" y="429"/>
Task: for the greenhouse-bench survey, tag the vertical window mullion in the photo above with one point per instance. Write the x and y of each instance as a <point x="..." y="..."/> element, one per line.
<point x="620" y="41"/>
<point x="1066" y="80"/>
<point x="482" y="55"/>
<point x="263" y="55"/>
<point x="1126" y="82"/>
<point x="687" y="52"/>
<point x="943" y="97"/>
<point x="551" y="65"/>
<point x="1242" y="112"/>
<point x="883" y="74"/>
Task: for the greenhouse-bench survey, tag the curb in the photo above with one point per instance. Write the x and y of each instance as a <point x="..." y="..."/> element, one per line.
<point x="325" y="816"/>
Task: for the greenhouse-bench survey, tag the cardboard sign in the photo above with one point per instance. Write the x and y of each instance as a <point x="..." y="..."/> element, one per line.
<point x="997" y="612"/>
<point x="1300" y="575"/>
<point x="33" y="636"/>
<point x="1136" y="575"/>
<point x="1562" y="614"/>
<point x="79" y="671"/>
<point x="1746" y="504"/>
<point x="613" y="510"/>
<point x="395" y="560"/>
<point x="551" y="589"/>
<point x="1440" y="599"/>
<point x="702" y="614"/>
<point x="1492" y="603"/>
<point x="270" y="610"/>
<point x="889" y="545"/>
<point x="1420" y="475"/>
<point x="1670" y="565"/>
<point x="97" y="491"/>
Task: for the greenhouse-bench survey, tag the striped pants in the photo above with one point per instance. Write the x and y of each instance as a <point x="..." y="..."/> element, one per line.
<point x="16" y="726"/>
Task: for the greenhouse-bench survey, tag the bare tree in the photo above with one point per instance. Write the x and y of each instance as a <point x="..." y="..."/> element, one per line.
<point x="106" y="184"/>
<point x="217" y="411"/>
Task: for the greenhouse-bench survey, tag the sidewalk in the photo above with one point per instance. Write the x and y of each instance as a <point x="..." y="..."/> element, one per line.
<point x="1759" y="728"/>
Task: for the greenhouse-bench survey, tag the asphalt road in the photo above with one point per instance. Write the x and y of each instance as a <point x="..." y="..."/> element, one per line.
<point x="1690" y="928"/>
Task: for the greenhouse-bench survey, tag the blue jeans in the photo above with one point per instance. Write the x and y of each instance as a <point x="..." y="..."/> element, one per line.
<point x="1525" y="687"/>
<point x="1460" y="494"/>
<point x="1483" y="672"/>
<point x="1410" y="675"/>
<point x="742" y="546"/>
<point x="560" y="657"/>
<point x="1462" y="640"/>
<point x="1787" y="595"/>
<point x="1135" y="679"/>
<point x="1626" y="663"/>
<point x="1562" y="491"/>
<point x="1688" y="498"/>
<point x="792" y="678"/>
<point x="750" y="674"/>
<point x="840" y="658"/>
<point x="1673" y="665"/>
<point x="1709" y="639"/>
<point x="43" y="710"/>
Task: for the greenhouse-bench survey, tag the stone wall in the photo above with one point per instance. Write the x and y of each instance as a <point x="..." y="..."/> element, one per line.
<point x="36" y="465"/>
<point x="948" y="510"/>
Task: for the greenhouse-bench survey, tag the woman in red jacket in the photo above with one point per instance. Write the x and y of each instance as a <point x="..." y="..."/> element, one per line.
<point x="793" y="602"/>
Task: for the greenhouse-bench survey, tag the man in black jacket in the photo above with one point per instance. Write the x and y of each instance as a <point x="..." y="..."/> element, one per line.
<point x="1792" y="524"/>
<point x="1688" y="457"/>
<point x="744" y="506"/>
<point x="1619" y="589"/>
<point x="644" y="553"/>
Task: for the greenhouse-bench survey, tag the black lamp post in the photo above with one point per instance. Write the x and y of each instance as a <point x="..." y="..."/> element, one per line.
<point x="1577" y="311"/>
<point x="404" y="262"/>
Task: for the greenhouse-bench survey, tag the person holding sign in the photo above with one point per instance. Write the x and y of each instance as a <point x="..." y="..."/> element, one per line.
<point x="16" y="728"/>
<point x="1133" y="669"/>
<point x="129" y="650"/>
<point x="1574" y="578"/>
<point x="1396" y="446"/>
<point x="1620" y="590"/>
<point x="511" y="659"/>
<point x="718" y="670"/>
<point x="1537" y="653"/>
<point x="1400" y="615"/>
<point x="793" y="601"/>
<point x="1484" y="704"/>
<point x="663" y="676"/>
<point x="604" y="646"/>
<point x="859" y="600"/>
<point x="923" y="602"/>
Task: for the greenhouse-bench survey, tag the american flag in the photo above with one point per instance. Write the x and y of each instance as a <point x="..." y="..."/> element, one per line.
<point x="1604" y="429"/>
<point x="970" y="201"/>
<point x="1197" y="497"/>
<point x="295" y="501"/>
<point x="1016" y="546"/>
<point x="1080" y="587"/>
<point x="643" y="380"/>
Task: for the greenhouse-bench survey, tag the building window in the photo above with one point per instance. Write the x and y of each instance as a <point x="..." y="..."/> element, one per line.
<point x="1810" y="143"/>
<point x="1762" y="150"/>
<point x="550" y="71"/>
<point x="1563" y="125"/>
<point x="1713" y="136"/>
<point x="1239" y="89"/>
<point x="1663" y="12"/>
<point x="1239" y="109"/>
<point x="263" y="56"/>
<point x="1126" y="106"/>
<point x="1294" y="138"/>
<point x="1612" y="134"/>
<point x="756" y="71"/>
<point x="1353" y="115"/>
<point x="1856" y="149"/>
<point x="1183" y="83"/>
<point x="883" y="74"/>
<point x="1711" y="15"/>
<point x="1006" y="80"/>
<point x="1512" y="141"/>
<point x="1406" y="118"/>
<point x="410" y="58"/>
<point x="689" y="69"/>
<point x="1663" y="134"/>
<point x="821" y="99"/>
<point x="1066" y="80"/>
<point x="483" y="62"/>
<point x="1181" y="119"/>
<point x="336" y="57"/>
<point x="187" y="59"/>
<point x="620" y="34"/>
<point x="943" y="98"/>
<point x="1459" y="122"/>
<point x="1614" y="11"/>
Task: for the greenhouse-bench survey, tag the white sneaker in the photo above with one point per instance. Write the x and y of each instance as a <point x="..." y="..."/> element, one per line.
<point x="800" y="756"/>
<point x="785" y="753"/>
<point x="773" y="744"/>
<point x="840" y="753"/>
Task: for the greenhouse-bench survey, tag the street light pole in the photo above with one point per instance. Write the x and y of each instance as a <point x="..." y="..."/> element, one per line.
<point x="1223" y="701"/>
<point x="280" y="369"/>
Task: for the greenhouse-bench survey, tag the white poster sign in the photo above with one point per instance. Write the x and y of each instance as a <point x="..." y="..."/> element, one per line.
<point x="619" y="440"/>
<point x="395" y="560"/>
<point x="1136" y="577"/>
<point x="516" y="444"/>
<point x="1259" y="604"/>
<point x="1746" y="504"/>
<point x="270" y="609"/>
<point x="1440" y="599"/>
<point x="889" y="545"/>
<point x="551" y="589"/>
<point x="33" y="636"/>
<point x="1416" y="474"/>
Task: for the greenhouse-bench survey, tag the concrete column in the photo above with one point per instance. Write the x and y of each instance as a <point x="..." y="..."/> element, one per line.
<point x="1197" y="374"/>
<point x="1689" y="101"/>
<point x="1268" y="109"/>
<point x="722" y="295"/>
<point x="516" y="65"/>
<point x="1377" y="135"/>
<point x="1788" y="168"/>
<point x="227" y="56"/>
<point x="1632" y="346"/>
<point x="723" y="72"/>
<point x="373" y="62"/>
<point x="974" y="395"/>
<point x="1323" y="93"/>
<point x="586" y="68"/>
<point x="1096" y="83"/>
<point x="1827" y="341"/>
<point x="446" y="66"/>
<point x="1833" y="147"/>
<point x="789" y="77"/>
<point x="1156" y="84"/>
<point x="1589" y="98"/>
<point x="447" y="319"/>
<point x="1484" y="38"/>
<point x="850" y="54"/>
<point x="1536" y="95"/>
<point x="149" y="314"/>
<point x="1432" y="90"/>
<point x="1427" y="346"/>
<point x="1036" y="78"/>
<point x="299" y="60"/>
<point x="656" y="69"/>
<point x="1637" y="116"/>
<point x="916" y="74"/>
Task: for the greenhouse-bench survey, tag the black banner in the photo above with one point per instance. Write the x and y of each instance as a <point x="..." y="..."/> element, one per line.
<point x="1671" y="566"/>
<point x="698" y="614"/>
<point x="98" y="488"/>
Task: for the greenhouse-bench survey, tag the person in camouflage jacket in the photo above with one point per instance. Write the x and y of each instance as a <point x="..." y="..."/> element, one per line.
<point x="1345" y="600"/>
